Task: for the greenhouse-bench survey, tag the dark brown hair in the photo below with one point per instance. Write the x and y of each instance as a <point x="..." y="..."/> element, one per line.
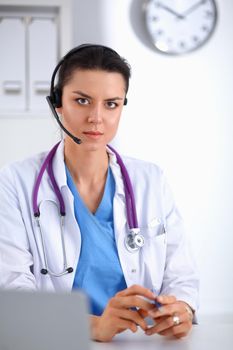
<point x="93" y="57"/>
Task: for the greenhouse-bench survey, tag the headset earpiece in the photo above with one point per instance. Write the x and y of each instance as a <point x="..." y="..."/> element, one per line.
<point x="125" y="101"/>
<point x="57" y="98"/>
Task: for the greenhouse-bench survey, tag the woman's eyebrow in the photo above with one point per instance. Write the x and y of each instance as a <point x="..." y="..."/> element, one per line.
<point x="114" y="99"/>
<point x="81" y="94"/>
<point x="78" y="92"/>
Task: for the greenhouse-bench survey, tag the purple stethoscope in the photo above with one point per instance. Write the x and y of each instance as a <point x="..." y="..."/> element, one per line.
<point x="133" y="241"/>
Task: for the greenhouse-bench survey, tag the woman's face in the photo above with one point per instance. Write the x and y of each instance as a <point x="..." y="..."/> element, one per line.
<point x="92" y="102"/>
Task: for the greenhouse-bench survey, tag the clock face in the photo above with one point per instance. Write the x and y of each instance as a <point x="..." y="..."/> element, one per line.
<point x="179" y="26"/>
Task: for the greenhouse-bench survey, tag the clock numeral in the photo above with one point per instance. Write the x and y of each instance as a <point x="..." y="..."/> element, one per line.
<point x="195" y="38"/>
<point x="157" y="4"/>
<point x="204" y="28"/>
<point x="154" y="18"/>
<point x="159" y="32"/>
<point x="182" y="44"/>
<point x="209" y="14"/>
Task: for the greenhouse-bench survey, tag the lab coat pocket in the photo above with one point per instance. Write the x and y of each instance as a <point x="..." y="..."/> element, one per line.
<point x="154" y="255"/>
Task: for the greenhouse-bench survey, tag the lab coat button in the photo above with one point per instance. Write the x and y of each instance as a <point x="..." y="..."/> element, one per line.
<point x="133" y="270"/>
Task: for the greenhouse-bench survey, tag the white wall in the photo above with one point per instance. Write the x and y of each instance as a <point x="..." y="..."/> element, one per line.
<point x="179" y="116"/>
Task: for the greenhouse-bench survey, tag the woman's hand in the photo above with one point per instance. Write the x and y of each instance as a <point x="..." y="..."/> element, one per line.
<point x="121" y="313"/>
<point x="173" y="318"/>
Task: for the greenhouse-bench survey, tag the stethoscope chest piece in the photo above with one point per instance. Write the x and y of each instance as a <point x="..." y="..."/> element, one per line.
<point x="134" y="240"/>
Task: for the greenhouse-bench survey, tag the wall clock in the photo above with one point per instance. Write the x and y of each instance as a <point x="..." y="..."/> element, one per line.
<point x="176" y="27"/>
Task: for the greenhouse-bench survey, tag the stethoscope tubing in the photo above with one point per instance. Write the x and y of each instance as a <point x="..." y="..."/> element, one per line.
<point x="56" y="189"/>
<point x="49" y="157"/>
<point x="129" y="195"/>
<point x="46" y="269"/>
<point x="134" y="241"/>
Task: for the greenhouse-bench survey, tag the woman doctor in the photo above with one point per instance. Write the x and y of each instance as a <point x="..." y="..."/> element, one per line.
<point x="127" y="274"/>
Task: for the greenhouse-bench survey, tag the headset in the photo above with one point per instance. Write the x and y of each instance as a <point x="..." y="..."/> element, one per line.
<point x="55" y="98"/>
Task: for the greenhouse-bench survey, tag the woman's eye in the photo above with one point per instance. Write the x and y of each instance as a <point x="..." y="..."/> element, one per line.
<point x="82" y="101"/>
<point x="111" y="104"/>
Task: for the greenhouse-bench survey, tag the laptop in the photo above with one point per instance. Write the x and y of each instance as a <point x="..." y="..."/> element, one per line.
<point x="43" y="321"/>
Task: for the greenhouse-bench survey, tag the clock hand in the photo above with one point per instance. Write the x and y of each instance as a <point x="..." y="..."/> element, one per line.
<point x="194" y="7"/>
<point x="168" y="9"/>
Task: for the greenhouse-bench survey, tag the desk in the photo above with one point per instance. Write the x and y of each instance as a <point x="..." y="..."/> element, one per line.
<point x="202" y="337"/>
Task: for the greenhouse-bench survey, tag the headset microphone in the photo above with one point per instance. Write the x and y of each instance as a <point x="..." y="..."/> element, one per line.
<point x="76" y="139"/>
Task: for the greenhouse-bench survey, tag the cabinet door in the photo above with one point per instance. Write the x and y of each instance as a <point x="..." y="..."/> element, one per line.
<point x="42" y="60"/>
<point x="12" y="64"/>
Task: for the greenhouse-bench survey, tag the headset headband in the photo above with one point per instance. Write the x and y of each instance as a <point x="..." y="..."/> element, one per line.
<point x="55" y="94"/>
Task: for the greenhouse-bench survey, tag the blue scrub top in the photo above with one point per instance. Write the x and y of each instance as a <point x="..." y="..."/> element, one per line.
<point x="98" y="272"/>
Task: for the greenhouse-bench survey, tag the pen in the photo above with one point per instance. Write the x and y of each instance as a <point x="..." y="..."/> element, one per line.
<point x="157" y="303"/>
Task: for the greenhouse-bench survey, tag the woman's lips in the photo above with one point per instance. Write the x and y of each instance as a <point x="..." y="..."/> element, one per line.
<point x="93" y="134"/>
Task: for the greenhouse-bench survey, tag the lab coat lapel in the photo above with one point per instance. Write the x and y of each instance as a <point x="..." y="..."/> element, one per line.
<point x="130" y="262"/>
<point x="71" y="229"/>
<point x="119" y="208"/>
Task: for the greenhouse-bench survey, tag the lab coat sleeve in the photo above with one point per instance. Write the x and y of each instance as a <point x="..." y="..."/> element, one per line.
<point x="181" y="275"/>
<point x="15" y="257"/>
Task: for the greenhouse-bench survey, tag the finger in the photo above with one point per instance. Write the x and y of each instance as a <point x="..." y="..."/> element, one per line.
<point x="133" y="316"/>
<point x="167" y="323"/>
<point x="160" y="301"/>
<point x="167" y="310"/>
<point x="177" y="331"/>
<point x="166" y="299"/>
<point x="133" y="301"/>
<point x="137" y="290"/>
<point x="125" y="324"/>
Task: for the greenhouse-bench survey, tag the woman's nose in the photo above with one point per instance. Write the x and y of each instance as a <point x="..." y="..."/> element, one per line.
<point x="95" y="114"/>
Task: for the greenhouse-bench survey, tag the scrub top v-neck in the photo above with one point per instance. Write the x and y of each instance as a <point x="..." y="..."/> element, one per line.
<point x="98" y="273"/>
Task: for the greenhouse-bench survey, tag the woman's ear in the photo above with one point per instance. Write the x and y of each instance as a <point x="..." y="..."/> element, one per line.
<point x="59" y="111"/>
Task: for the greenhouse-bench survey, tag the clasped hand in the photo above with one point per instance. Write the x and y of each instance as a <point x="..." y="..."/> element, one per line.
<point x="129" y="308"/>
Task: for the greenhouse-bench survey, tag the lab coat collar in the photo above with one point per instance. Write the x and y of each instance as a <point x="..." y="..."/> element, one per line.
<point x="119" y="203"/>
<point x="116" y="172"/>
<point x="60" y="173"/>
<point x="59" y="166"/>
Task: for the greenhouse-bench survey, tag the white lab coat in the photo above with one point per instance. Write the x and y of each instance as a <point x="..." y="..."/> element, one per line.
<point x="165" y="262"/>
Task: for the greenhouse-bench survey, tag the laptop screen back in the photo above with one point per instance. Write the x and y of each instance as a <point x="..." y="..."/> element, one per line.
<point x="43" y="321"/>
